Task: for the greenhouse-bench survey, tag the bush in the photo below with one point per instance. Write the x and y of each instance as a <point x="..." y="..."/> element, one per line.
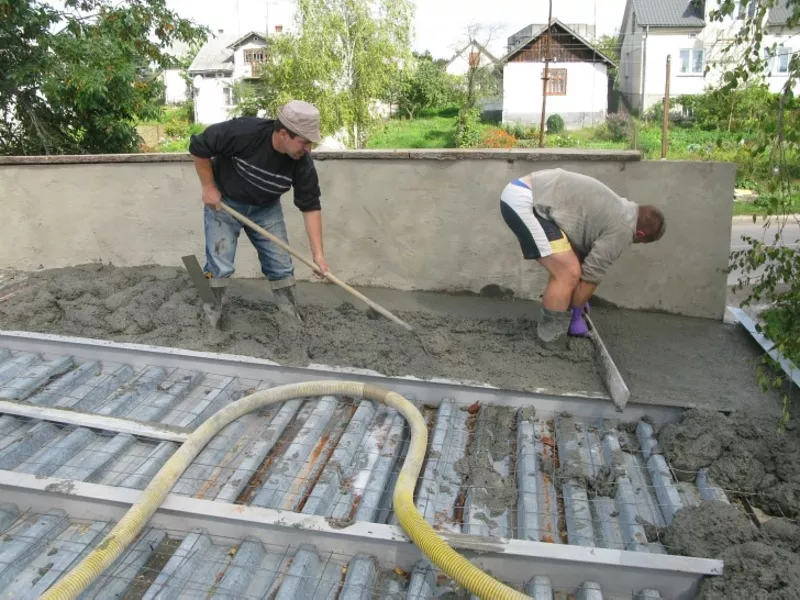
<point x="498" y="138"/>
<point x="555" y="124"/>
<point x="617" y="127"/>
<point x="521" y="132"/>
<point x="469" y="128"/>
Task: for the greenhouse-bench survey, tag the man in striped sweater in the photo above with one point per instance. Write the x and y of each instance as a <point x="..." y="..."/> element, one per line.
<point x="575" y="227"/>
<point x="249" y="163"/>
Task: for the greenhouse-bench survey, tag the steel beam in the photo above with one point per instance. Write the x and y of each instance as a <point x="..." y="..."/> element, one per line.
<point x="93" y="421"/>
<point x="431" y="391"/>
<point x="509" y="560"/>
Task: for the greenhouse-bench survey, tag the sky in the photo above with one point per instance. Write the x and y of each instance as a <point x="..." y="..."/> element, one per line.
<point x="440" y="26"/>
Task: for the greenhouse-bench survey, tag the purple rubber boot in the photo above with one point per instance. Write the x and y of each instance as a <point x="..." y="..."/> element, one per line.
<point x="578" y="326"/>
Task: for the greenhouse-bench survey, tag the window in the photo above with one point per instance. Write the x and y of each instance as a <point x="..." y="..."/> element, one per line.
<point x="556" y="82"/>
<point x="692" y="62"/>
<point x="474" y="60"/>
<point x="778" y="60"/>
<point x="278" y="28"/>
<point x="254" y="55"/>
<point x="227" y="94"/>
<point x="784" y="54"/>
<point x="748" y="10"/>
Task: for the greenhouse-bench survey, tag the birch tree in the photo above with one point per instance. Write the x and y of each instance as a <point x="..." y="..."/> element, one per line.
<point x="344" y="59"/>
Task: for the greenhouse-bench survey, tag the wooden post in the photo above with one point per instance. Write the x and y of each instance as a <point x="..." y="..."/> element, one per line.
<point x="546" y="76"/>
<point x="665" y="120"/>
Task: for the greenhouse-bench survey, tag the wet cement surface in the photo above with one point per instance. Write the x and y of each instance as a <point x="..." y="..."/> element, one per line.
<point x="159" y="305"/>
<point x="758" y="466"/>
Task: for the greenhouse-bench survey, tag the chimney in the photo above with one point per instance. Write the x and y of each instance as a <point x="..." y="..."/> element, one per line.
<point x="220" y="31"/>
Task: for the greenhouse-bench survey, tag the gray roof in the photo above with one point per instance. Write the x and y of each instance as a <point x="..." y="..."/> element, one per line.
<point x="780" y="14"/>
<point x="522" y="42"/>
<point x="669" y="13"/>
<point x="217" y="53"/>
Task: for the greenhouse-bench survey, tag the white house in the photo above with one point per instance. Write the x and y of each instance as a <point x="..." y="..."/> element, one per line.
<point x="176" y="89"/>
<point x="654" y="29"/>
<point x="221" y="62"/>
<point x="472" y="55"/>
<point x="577" y="87"/>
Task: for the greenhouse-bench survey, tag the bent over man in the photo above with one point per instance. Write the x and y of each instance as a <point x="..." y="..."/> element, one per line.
<point x="575" y="227"/>
<point x="249" y="163"/>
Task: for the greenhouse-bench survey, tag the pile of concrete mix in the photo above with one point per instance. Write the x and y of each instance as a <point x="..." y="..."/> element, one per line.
<point x="750" y="459"/>
<point x="160" y="306"/>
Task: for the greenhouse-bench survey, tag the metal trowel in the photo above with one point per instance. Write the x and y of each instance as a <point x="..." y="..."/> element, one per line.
<point x="211" y="297"/>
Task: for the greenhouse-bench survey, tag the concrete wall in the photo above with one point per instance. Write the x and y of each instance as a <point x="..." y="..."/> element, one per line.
<point x="585" y="103"/>
<point x="406" y="220"/>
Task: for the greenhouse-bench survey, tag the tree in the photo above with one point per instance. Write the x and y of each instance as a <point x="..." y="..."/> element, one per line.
<point x="609" y="46"/>
<point x="425" y="85"/>
<point x="778" y="140"/>
<point x="75" y="79"/>
<point x="483" y="78"/>
<point x="345" y="57"/>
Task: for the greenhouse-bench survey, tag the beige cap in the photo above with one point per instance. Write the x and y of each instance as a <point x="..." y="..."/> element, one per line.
<point x="301" y="118"/>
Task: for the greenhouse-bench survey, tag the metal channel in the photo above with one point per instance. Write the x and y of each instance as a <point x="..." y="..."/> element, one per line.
<point x="565" y="489"/>
<point x="622" y="574"/>
<point x="39" y="547"/>
<point x="426" y="391"/>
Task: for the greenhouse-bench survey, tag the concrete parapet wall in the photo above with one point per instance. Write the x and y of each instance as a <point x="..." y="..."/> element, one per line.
<point x="425" y="220"/>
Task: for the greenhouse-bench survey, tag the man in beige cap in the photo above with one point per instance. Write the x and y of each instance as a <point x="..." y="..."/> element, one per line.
<point x="249" y="163"/>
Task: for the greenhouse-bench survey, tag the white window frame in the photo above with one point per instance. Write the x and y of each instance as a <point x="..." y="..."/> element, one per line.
<point x="776" y="58"/>
<point x="692" y="54"/>
<point x="783" y="53"/>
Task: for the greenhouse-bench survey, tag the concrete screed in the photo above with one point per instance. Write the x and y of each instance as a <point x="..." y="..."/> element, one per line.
<point x="665" y="359"/>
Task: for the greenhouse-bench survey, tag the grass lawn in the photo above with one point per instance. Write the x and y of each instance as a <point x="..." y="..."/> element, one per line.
<point x="429" y="129"/>
<point x="753" y="208"/>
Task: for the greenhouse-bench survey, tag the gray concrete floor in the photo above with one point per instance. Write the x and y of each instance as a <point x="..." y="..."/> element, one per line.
<point x="665" y="359"/>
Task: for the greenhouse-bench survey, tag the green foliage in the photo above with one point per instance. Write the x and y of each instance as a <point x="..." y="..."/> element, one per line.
<point x="555" y="124"/>
<point x="521" y="132"/>
<point x="776" y="135"/>
<point x="76" y="79"/>
<point x="609" y="45"/>
<point x="347" y="55"/>
<point x="616" y="128"/>
<point x="425" y="85"/>
<point x="468" y="133"/>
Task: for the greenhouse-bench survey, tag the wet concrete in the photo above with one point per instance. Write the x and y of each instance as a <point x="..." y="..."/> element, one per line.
<point x="158" y="305"/>
<point x="758" y="466"/>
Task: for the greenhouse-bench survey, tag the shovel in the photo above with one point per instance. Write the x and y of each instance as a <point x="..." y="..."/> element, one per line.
<point x="204" y="288"/>
<point x="211" y="297"/>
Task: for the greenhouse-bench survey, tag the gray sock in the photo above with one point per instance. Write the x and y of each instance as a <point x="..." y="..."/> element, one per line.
<point x="553" y="324"/>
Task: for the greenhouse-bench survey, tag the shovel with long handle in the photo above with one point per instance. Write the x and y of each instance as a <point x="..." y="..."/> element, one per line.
<point x="329" y="276"/>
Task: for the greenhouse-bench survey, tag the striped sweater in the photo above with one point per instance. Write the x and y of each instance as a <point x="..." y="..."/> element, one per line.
<point x="599" y="224"/>
<point x="248" y="169"/>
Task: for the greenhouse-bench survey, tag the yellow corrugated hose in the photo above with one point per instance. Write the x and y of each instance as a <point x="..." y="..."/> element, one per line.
<point x="432" y="545"/>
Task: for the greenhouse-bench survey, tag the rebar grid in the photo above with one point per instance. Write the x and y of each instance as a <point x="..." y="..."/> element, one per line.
<point x="490" y="471"/>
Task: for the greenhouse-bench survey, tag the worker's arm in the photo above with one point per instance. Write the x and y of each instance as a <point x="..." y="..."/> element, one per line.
<point x="221" y="139"/>
<point x="313" y="222"/>
<point x="307" y="199"/>
<point x="583" y="293"/>
<point x="605" y="251"/>
<point x="211" y="194"/>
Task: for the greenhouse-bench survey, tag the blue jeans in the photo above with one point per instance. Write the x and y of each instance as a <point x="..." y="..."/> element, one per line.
<point x="222" y="234"/>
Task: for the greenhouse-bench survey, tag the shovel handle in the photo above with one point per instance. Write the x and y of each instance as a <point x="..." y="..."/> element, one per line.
<point x="329" y="276"/>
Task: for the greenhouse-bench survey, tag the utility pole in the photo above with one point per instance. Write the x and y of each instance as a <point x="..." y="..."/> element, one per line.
<point x="546" y="76"/>
<point x="665" y="118"/>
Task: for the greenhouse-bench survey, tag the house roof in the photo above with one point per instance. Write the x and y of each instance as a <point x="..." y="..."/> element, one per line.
<point x="780" y="14"/>
<point x="525" y="41"/>
<point x="670" y="13"/>
<point x="217" y="53"/>
<point x="480" y="47"/>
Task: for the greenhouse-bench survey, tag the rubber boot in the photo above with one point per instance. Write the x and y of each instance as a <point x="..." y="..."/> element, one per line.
<point x="286" y="302"/>
<point x="578" y="327"/>
<point x="552" y="328"/>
